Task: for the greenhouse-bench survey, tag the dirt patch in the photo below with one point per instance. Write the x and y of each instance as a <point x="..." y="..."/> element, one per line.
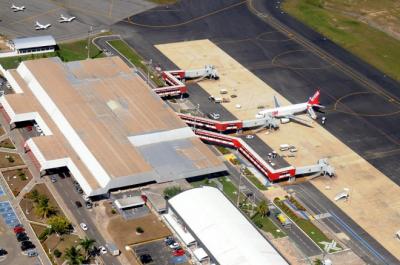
<point x="27" y="205"/>
<point x="38" y="229"/>
<point x="10" y="160"/>
<point x="124" y="232"/>
<point x="7" y="143"/>
<point x="17" y="179"/>
<point x="61" y="243"/>
<point x="1" y="129"/>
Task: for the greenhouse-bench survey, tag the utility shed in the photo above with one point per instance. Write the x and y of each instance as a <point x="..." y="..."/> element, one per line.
<point x="221" y="229"/>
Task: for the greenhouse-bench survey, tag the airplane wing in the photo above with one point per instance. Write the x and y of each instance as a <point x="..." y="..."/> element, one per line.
<point x="305" y="122"/>
<point x="277" y="105"/>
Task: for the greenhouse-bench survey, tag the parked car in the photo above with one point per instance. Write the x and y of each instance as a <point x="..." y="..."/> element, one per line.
<point x="18" y="225"/>
<point x="32" y="253"/>
<point x="3" y="252"/>
<point x="178" y="252"/>
<point x="78" y="204"/>
<point x="145" y="258"/>
<point x="169" y="240"/>
<point x="88" y="205"/>
<point x="27" y="247"/>
<point x="174" y="245"/>
<point x="26" y="243"/>
<point x="249" y="136"/>
<point x="102" y="250"/>
<point x="19" y="229"/>
<point x="22" y="237"/>
<point x="53" y="179"/>
<point x="83" y="226"/>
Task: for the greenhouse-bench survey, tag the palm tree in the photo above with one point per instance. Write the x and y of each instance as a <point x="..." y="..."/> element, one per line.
<point x="34" y="195"/>
<point x="262" y="208"/>
<point x="44" y="208"/>
<point x="73" y="256"/>
<point x="87" y="245"/>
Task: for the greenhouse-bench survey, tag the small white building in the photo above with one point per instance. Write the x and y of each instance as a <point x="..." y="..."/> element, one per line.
<point x="30" y="45"/>
<point x="221" y="232"/>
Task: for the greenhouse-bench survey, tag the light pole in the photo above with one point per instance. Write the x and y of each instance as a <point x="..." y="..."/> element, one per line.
<point x="149" y="63"/>
<point x="240" y="184"/>
<point x="88" y="42"/>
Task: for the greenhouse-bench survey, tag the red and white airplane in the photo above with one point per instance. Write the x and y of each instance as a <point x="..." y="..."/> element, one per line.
<point x="287" y="113"/>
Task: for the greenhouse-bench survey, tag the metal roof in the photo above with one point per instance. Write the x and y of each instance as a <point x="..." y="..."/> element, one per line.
<point x="32" y="42"/>
<point x="225" y="232"/>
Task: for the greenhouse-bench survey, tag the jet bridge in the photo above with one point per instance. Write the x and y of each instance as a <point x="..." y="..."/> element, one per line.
<point x="175" y="80"/>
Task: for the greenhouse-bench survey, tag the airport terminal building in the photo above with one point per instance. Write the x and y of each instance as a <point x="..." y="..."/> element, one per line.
<point x="104" y="123"/>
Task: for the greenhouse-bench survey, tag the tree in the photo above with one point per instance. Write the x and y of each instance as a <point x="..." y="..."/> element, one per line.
<point x="59" y="225"/>
<point x="73" y="256"/>
<point x="34" y="195"/>
<point x="172" y="191"/>
<point x="318" y="262"/>
<point x="43" y="208"/>
<point x="262" y="208"/>
<point x="87" y="245"/>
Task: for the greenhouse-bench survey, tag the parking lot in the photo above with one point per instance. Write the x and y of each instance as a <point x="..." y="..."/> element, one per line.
<point x="160" y="253"/>
<point x="8" y="214"/>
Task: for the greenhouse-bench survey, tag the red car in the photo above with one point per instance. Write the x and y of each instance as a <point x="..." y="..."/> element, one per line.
<point x="178" y="252"/>
<point x="19" y="229"/>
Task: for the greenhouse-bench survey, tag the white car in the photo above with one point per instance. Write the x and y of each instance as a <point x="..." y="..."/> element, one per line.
<point x="249" y="136"/>
<point x="83" y="226"/>
<point x="174" y="245"/>
<point x="102" y="250"/>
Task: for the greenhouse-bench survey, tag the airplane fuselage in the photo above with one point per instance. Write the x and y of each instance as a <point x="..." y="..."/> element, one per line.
<point x="283" y="111"/>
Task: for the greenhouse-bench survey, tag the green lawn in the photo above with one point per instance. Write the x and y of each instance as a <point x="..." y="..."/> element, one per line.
<point x="250" y="176"/>
<point x="71" y="51"/>
<point x="135" y="59"/>
<point x="374" y="46"/>
<point x="223" y="150"/>
<point x="307" y="226"/>
<point x="268" y="226"/>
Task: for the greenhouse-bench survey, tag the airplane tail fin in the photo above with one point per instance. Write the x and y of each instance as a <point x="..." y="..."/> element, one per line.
<point x="314" y="100"/>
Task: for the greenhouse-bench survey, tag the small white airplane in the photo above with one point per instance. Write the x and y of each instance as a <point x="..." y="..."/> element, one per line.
<point x="287" y="113"/>
<point x="39" y="26"/>
<point x="17" y="8"/>
<point x="65" y="19"/>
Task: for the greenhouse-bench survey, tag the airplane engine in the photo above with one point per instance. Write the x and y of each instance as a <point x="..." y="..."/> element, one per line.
<point x="284" y="120"/>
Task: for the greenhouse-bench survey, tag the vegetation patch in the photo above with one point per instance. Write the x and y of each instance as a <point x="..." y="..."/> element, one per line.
<point x="265" y="224"/>
<point x="250" y="176"/>
<point x="7" y="143"/>
<point x="223" y="150"/>
<point x="69" y="51"/>
<point x="172" y="191"/>
<point x="372" y="45"/>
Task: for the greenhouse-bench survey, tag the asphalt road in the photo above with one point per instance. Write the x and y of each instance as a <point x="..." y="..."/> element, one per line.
<point x="292" y="67"/>
<point x="66" y="191"/>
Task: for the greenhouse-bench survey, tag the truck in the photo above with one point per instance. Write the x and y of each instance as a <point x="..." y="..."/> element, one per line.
<point x="112" y="249"/>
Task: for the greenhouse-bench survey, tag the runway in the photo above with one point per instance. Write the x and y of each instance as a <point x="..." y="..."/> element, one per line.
<point x="362" y="116"/>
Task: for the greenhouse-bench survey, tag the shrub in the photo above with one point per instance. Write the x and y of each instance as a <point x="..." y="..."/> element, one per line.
<point x="43" y="235"/>
<point x="139" y="230"/>
<point x="22" y="176"/>
<point x="172" y="191"/>
<point x="258" y="223"/>
<point x="57" y="253"/>
<point x="113" y="211"/>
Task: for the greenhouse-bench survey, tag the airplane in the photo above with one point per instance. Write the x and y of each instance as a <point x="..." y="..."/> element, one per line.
<point x="287" y="113"/>
<point x="65" y="19"/>
<point x="39" y="26"/>
<point x="17" y="8"/>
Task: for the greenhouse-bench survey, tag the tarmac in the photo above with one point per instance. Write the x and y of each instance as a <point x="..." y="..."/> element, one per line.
<point x="292" y="68"/>
<point x="98" y="14"/>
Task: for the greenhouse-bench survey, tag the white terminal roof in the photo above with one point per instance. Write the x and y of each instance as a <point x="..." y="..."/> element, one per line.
<point x="223" y="230"/>
<point x="32" y="42"/>
<point x="104" y="123"/>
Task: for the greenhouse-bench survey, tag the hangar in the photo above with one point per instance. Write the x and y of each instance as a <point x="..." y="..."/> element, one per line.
<point x="99" y="119"/>
<point x="30" y="45"/>
<point x="205" y="218"/>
